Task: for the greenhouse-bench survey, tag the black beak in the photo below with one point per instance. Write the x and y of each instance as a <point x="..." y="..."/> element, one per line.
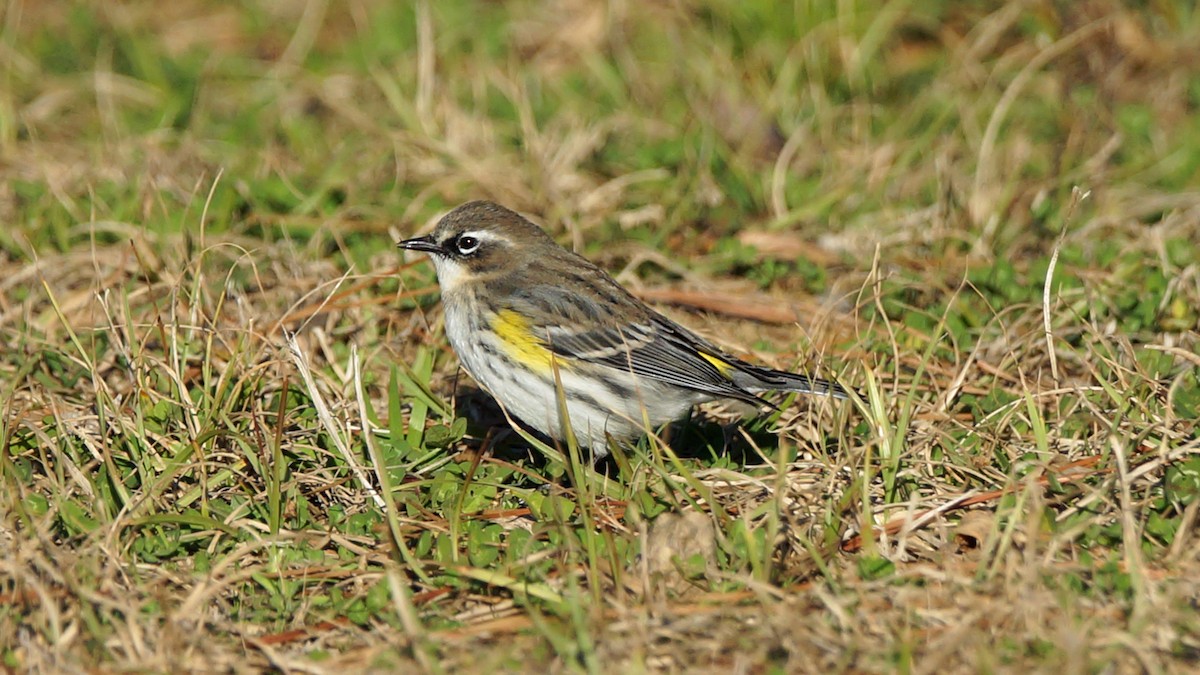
<point x="426" y="244"/>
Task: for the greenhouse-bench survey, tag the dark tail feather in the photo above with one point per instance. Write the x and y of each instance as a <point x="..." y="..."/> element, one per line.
<point x="757" y="379"/>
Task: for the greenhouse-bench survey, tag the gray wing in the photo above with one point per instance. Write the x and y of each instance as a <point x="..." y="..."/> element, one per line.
<point x="595" y="328"/>
<point x="658" y="350"/>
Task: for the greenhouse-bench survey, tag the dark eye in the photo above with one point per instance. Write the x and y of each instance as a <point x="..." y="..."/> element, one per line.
<point x="466" y="244"/>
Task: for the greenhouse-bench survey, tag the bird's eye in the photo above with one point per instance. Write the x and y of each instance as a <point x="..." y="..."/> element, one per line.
<point x="466" y="244"/>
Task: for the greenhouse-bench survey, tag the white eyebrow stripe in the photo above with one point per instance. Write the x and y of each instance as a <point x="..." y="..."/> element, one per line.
<point x="481" y="235"/>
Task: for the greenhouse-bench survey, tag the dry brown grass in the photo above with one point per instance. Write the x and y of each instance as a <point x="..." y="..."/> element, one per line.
<point x="1005" y="497"/>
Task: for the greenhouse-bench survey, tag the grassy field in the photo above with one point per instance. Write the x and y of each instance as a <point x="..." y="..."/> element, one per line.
<point x="235" y="438"/>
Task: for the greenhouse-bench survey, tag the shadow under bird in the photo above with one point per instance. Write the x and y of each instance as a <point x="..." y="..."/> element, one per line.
<point x="534" y="323"/>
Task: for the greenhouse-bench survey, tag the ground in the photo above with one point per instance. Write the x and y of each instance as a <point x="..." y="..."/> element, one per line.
<point x="235" y="438"/>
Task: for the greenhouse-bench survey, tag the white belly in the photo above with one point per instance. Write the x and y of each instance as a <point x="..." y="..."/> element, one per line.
<point x="623" y="411"/>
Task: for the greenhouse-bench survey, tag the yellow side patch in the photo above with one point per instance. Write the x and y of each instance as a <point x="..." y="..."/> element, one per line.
<point x="722" y="367"/>
<point x="520" y="343"/>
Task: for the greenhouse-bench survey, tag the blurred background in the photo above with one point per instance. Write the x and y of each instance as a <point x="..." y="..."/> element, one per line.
<point x="946" y="125"/>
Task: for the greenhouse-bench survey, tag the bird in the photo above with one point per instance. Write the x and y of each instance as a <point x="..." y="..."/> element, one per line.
<point x="543" y="330"/>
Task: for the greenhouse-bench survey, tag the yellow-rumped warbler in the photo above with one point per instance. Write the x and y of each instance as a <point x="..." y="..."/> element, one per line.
<point x="532" y="321"/>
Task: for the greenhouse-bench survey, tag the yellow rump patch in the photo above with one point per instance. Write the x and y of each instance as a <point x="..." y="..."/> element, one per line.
<point x="520" y="343"/>
<point x="722" y="367"/>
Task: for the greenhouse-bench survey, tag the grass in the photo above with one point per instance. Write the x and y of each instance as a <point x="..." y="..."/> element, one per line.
<point x="234" y="437"/>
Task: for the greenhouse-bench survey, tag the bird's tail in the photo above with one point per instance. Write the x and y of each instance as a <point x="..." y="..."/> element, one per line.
<point x="755" y="379"/>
